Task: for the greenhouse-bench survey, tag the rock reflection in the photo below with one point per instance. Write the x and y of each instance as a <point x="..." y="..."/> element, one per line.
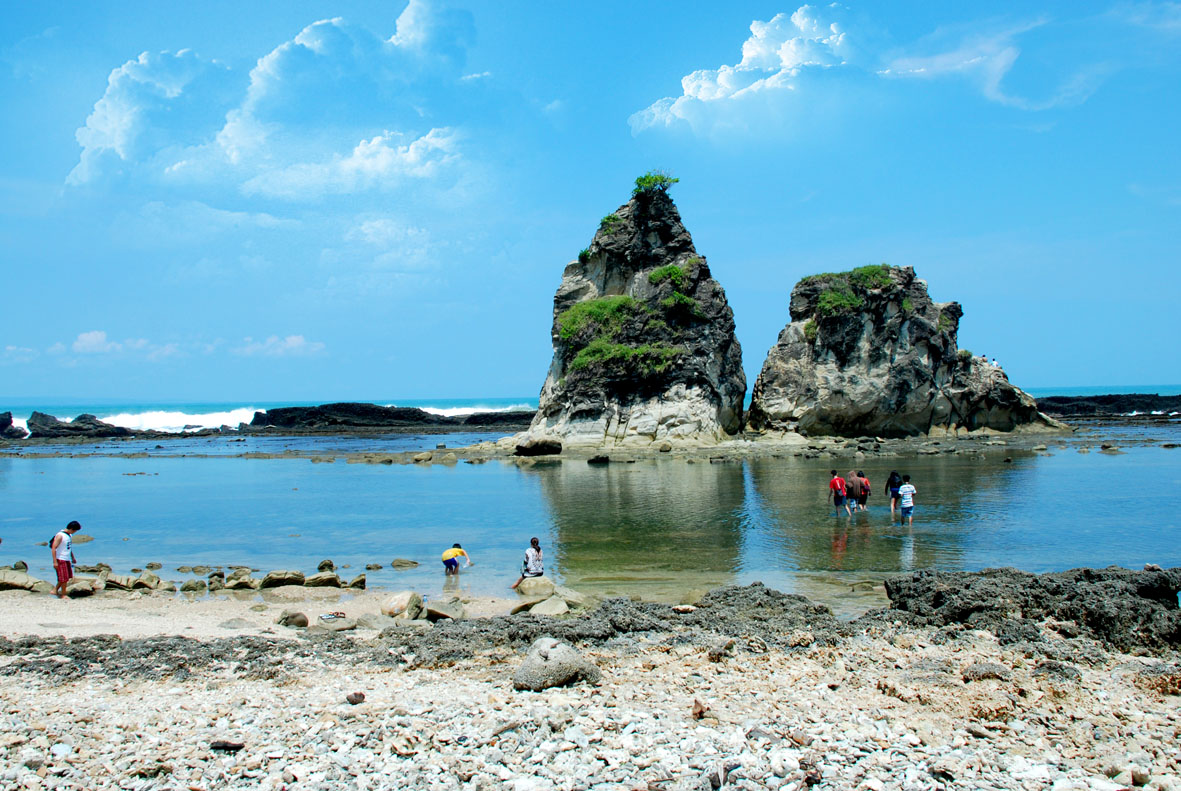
<point x="663" y="529"/>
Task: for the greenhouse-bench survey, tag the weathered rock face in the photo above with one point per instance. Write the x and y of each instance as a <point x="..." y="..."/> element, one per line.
<point x="7" y="430"/>
<point x="43" y="425"/>
<point x="644" y="346"/>
<point x="868" y="353"/>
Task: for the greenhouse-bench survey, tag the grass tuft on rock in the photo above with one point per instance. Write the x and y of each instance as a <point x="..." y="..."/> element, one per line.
<point x="611" y="223"/>
<point x="649" y="359"/>
<point x="870" y="277"/>
<point x="810" y="331"/>
<point x="654" y="181"/>
<point x="608" y="313"/>
<point x="670" y="272"/>
<point x="584" y="255"/>
<point x="838" y="300"/>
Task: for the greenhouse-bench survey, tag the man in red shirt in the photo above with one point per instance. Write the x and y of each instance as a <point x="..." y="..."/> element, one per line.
<point x="836" y="491"/>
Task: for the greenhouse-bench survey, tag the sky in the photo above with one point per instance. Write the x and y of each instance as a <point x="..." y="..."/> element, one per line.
<point x="338" y="200"/>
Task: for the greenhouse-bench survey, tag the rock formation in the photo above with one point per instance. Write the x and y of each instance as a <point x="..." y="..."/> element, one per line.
<point x="7" y="429"/>
<point x="644" y="346"/>
<point x="868" y="353"/>
<point x="347" y="418"/>
<point x="84" y="426"/>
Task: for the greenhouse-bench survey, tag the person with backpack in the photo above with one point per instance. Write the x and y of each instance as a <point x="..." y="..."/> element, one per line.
<point x="61" y="550"/>
<point x="836" y="492"/>
<point x="853" y="489"/>
<point x="892" y="485"/>
<point x="863" y="500"/>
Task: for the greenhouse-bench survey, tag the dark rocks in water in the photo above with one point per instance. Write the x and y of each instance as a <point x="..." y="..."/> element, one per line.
<point x="868" y="352"/>
<point x="1117" y="404"/>
<point x="1129" y="610"/>
<point x="8" y="430"/>
<point x="42" y="425"/>
<point x="539" y="447"/>
<point x="644" y="345"/>
<point x="356" y="417"/>
<point x="326" y="565"/>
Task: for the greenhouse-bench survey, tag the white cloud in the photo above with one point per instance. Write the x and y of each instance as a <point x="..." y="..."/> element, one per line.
<point x="772" y="58"/>
<point x="385" y="232"/>
<point x="335" y="109"/>
<point x="56" y="349"/>
<point x="18" y="354"/>
<point x="1164" y="17"/>
<point x="94" y="342"/>
<point x="380" y="163"/>
<point x="274" y="346"/>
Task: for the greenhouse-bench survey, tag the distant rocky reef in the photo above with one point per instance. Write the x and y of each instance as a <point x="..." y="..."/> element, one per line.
<point x="644" y="345"/>
<point x="1125" y="405"/>
<point x="352" y="418"/>
<point x="867" y="352"/>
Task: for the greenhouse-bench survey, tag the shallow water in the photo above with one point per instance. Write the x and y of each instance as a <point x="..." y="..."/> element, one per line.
<point x="662" y="529"/>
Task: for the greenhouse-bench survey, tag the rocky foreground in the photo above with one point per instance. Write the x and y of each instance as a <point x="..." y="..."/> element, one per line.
<point x="993" y="680"/>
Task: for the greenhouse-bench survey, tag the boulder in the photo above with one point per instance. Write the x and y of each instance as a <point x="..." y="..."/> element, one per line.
<point x="551" y="606"/>
<point x="403" y="563"/>
<point x="644" y="344"/>
<point x="551" y="663"/>
<point x="292" y="619"/>
<point x="445" y="608"/>
<point x="20" y="565"/>
<point x="276" y="579"/>
<point x="17" y="580"/>
<point x="216" y="584"/>
<point x="42" y="426"/>
<point x="539" y="447"/>
<point x="326" y="565"/>
<point x="8" y="430"/>
<point x="242" y="583"/>
<point x="145" y="581"/>
<point x="868" y="353"/>
<point x="79" y="587"/>
<point x="572" y="597"/>
<point x="334" y="625"/>
<point x="123" y="582"/>
<point x="536" y="586"/>
<point x="193" y="586"/>
<point x="357" y="582"/>
<point x="406" y="605"/>
<point x="325" y="579"/>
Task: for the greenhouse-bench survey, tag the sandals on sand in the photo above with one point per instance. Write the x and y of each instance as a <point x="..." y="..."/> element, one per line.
<point x="328" y="616"/>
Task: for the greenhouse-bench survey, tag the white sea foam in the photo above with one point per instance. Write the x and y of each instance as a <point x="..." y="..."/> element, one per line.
<point x="20" y="422"/>
<point x="463" y="411"/>
<point x="175" y="422"/>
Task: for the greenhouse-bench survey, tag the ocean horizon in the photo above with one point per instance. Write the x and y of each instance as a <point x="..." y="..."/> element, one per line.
<point x="173" y="416"/>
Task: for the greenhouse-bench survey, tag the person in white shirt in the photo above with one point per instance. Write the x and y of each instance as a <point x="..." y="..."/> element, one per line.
<point x="61" y="549"/>
<point x="907" y="492"/>
<point x="532" y="566"/>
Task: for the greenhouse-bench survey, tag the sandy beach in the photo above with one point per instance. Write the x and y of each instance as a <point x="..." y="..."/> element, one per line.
<point x="752" y="689"/>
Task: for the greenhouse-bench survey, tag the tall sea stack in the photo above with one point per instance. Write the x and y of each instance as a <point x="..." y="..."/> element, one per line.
<point x="868" y="353"/>
<point x="644" y="346"/>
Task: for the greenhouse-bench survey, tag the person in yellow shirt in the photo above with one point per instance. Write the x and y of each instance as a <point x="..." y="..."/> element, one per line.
<point x="451" y="559"/>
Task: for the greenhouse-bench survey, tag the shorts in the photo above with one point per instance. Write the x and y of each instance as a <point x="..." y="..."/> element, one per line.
<point x="65" y="572"/>
<point x="450" y="563"/>
<point x="894" y="494"/>
<point x="907" y="511"/>
<point x="838" y="500"/>
<point x="863" y="499"/>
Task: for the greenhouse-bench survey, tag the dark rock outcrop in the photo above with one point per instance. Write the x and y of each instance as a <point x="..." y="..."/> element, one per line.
<point x="360" y="418"/>
<point x="644" y="346"/>
<point x="9" y="431"/>
<point x="42" y="425"/>
<point x="1115" y="405"/>
<point x="868" y="353"/>
<point x="1130" y="610"/>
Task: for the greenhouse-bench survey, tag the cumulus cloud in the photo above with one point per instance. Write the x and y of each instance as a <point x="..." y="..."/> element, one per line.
<point x="274" y="346"/>
<point x="94" y="342"/>
<point x="782" y="57"/>
<point x="335" y="109"/>
<point x="774" y="56"/>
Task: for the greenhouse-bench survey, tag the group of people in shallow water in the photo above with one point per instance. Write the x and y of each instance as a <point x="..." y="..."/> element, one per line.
<point x="852" y="492"/>
<point x="531" y="567"/>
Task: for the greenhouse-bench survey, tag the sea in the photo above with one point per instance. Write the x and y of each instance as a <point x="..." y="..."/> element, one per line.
<point x="664" y="529"/>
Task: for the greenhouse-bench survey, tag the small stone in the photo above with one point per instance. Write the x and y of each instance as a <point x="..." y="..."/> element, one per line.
<point x="153" y="566"/>
<point x="372" y="566"/>
<point x="357" y="582"/>
<point x="325" y="579"/>
<point x="403" y="563"/>
<point x="406" y="605"/>
<point x="225" y="746"/>
<point x="292" y="619"/>
<point x="355" y="697"/>
<point x="325" y="565"/>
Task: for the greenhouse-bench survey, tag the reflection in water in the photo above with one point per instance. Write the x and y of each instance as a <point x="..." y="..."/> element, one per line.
<point x="648" y="528"/>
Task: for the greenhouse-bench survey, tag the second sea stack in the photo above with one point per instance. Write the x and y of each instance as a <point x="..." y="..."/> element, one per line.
<point x="644" y="346"/>
<point x="867" y="352"/>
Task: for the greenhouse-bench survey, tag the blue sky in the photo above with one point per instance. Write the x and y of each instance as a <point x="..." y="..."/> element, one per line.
<point x="305" y="201"/>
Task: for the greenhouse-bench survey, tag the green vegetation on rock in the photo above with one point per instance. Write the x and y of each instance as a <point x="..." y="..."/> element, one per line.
<point x="608" y="313"/>
<point x="654" y="181"/>
<point x="944" y="322"/>
<point x="838" y="300"/>
<point x="681" y="306"/>
<point x="907" y="305"/>
<point x="810" y="331"/>
<point x="611" y="223"/>
<point x="650" y="358"/>
<point x="670" y="272"/>
<point x="868" y="277"/>
<point x="964" y="355"/>
<point x="584" y="255"/>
